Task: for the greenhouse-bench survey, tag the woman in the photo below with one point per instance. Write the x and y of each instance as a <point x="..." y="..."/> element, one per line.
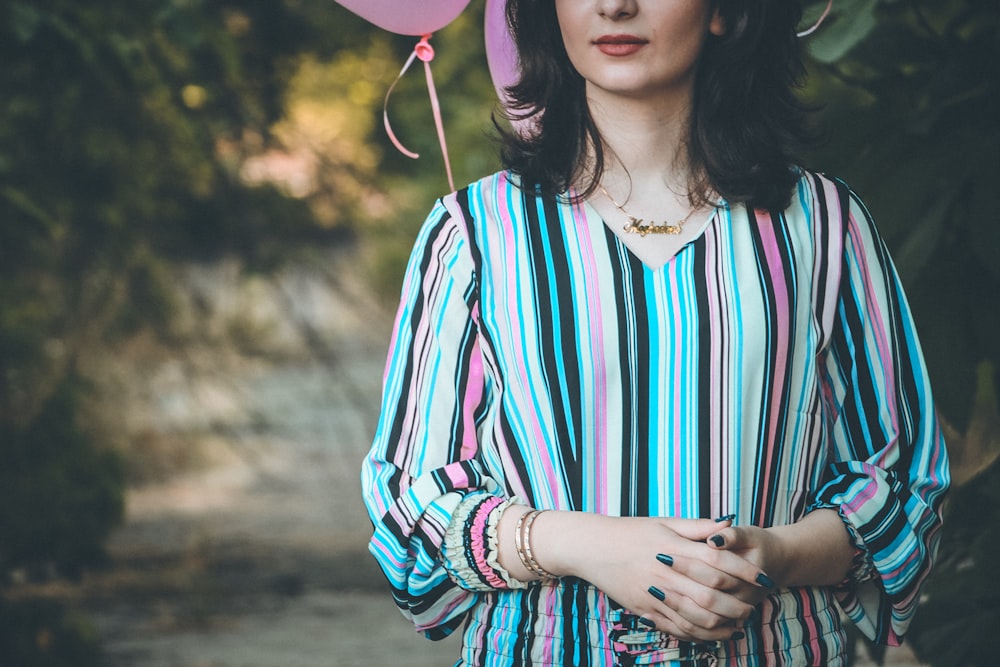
<point x="654" y="394"/>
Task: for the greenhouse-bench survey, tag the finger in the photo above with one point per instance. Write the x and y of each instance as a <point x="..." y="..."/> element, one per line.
<point x="705" y="605"/>
<point x="688" y="624"/>
<point x="717" y="568"/>
<point x="669" y="623"/>
<point x="729" y="537"/>
<point x="708" y="575"/>
<point x="697" y="530"/>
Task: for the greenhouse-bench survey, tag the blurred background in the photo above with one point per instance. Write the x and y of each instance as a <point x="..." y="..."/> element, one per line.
<point x="203" y="230"/>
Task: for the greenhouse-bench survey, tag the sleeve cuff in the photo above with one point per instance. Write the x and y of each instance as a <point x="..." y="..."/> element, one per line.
<point x="862" y="566"/>
<point x="470" y="552"/>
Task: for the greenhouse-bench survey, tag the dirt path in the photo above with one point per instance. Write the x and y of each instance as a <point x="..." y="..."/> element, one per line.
<point x="259" y="560"/>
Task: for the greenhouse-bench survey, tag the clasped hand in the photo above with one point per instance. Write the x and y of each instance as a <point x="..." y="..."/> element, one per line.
<point x="671" y="572"/>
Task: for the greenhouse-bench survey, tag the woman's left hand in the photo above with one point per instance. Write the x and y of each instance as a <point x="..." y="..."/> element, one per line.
<point x="759" y="546"/>
<point x="815" y="551"/>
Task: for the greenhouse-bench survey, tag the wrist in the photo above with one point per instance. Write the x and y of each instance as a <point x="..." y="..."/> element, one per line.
<point x="781" y="561"/>
<point x="507" y="528"/>
<point x="553" y="541"/>
<point x="523" y="544"/>
<point x="559" y="544"/>
<point x="815" y="551"/>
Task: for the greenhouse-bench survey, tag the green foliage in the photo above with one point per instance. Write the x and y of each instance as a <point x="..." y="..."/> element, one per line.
<point x="112" y="136"/>
<point x="958" y="619"/>
<point x="43" y="633"/>
<point x="912" y="93"/>
<point x="60" y="496"/>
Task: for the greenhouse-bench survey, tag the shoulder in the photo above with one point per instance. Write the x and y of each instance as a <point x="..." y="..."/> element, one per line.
<point x="496" y="201"/>
<point x="827" y="205"/>
<point x="821" y="193"/>
<point x="494" y="198"/>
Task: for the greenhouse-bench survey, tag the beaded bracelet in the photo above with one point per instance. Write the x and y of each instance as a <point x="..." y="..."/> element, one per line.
<point x="522" y="544"/>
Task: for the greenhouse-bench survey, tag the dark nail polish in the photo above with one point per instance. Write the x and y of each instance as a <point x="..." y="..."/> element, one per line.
<point x="737" y="636"/>
<point x="665" y="559"/>
<point x="648" y="623"/>
<point x="718" y="540"/>
<point x="657" y="593"/>
<point x="765" y="580"/>
<point x="728" y="517"/>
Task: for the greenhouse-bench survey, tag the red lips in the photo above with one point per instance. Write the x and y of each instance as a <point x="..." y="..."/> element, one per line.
<point x="619" y="45"/>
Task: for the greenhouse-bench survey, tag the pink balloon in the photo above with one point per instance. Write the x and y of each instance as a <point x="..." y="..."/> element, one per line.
<point x="407" y="17"/>
<point x="501" y="54"/>
<point x="500" y="51"/>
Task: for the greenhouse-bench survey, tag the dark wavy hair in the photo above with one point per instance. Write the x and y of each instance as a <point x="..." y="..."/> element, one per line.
<point x="746" y="122"/>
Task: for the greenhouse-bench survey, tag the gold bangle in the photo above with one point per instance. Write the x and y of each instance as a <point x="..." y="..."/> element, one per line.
<point x="522" y="542"/>
<point x="519" y="544"/>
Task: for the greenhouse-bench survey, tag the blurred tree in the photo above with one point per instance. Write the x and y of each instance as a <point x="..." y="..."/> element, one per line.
<point x="122" y="133"/>
<point x="912" y="97"/>
<point x="113" y="141"/>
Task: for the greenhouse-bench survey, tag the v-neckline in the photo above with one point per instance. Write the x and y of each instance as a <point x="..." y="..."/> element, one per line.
<point x="594" y="217"/>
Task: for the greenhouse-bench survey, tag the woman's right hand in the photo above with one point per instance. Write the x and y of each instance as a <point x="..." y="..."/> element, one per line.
<point x="637" y="561"/>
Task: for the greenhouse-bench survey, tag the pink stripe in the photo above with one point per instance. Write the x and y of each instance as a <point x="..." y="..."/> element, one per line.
<point x="835" y="250"/>
<point x="473" y="396"/>
<point x="387" y="552"/>
<point x="780" y="292"/>
<point x="810" y="619"/>
<point x="894" y="573"/>
<point x="867" y="492"/>
<point x="457" y="475"/>
<point x="550" y="631"/>
<point x="479" y="547"/>
<point x="592" y="279"/>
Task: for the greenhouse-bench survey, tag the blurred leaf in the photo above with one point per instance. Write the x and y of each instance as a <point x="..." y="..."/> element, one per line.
<point x="24" y="20"/>
<point x="848" y="24"/>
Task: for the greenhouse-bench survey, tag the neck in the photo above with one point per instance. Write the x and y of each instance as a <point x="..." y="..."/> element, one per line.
<point x="630" y="127"/>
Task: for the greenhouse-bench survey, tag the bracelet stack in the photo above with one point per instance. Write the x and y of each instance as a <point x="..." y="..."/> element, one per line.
<point x="522" y="543"/>
<point x="470" y="550"/>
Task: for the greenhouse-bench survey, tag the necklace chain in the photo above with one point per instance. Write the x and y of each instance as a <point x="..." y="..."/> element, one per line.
<point x="641" y="227"/>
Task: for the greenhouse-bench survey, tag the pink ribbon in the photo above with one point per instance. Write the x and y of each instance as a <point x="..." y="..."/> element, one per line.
<point x="819" y="21"/>
<point x="425" y="52"/>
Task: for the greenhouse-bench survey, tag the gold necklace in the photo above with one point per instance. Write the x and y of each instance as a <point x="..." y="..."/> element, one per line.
<point x="638" y="225"/>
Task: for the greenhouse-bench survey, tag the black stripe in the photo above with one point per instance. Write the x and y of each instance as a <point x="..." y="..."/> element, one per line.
<point x="628" y="476"/>
<point x="705" y="382"/>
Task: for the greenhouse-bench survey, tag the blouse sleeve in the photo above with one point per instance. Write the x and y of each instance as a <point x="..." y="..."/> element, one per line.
<point x="424" y="463"/>
<point x="889" y="469"/>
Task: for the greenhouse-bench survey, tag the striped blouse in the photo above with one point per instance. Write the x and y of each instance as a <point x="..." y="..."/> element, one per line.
<point x="769" y="368"/>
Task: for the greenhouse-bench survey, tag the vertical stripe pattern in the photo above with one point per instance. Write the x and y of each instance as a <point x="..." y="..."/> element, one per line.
<point x="770" y="367"/>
